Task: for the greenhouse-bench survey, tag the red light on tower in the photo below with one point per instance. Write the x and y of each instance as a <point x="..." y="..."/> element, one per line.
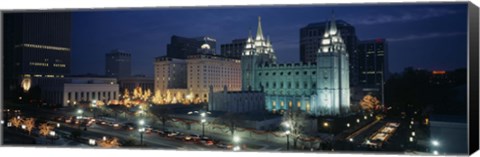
<point x="378" y="40"/>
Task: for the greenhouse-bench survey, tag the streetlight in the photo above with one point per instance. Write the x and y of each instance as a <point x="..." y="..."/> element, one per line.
<point x="413" y="133"/>
<point x="203" y="121"/>
<point x="141" y="130"/>
<point x="236" y="141"/>
<point x="350" y="139"/>
<point x="358" y="120"/>
<point x="91" y="142"/>
<point x="435" y="143"/>
<point x="52" y="134"/>
<point x="325" y="124"/>
<point x="348" y="125"/>
<point x="365" y="117"/>
<point x="288" y="139"/>
<point x="411" y="139"/>
<point x="58" y="125"/>
<point x="94" y="106"/>
<point x="24" y="127"/>
<point x="435" y="152"/>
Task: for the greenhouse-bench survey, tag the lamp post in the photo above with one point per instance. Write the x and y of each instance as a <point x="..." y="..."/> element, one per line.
<point x="236" y="141"/>
<point x="52" y="134"/>
<point x="80" y="113"/>
<point x="94" y="106"/>
<point x="141" y="130"/>
<point x="203" y="119"/>
<point x="288" y="139"/>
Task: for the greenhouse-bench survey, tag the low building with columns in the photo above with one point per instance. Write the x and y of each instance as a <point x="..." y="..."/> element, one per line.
<point x="76" y="90"/>
<point x="236" y="101"/>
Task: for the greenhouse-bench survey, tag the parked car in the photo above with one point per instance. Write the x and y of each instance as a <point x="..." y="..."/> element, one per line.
<point x="224" y="145"/>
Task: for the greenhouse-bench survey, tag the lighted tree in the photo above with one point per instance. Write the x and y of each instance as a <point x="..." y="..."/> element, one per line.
<point x="294" y="121"/>
<point x="29" y="124"/>
<point x="369" y="102"/>
<point x="179" y="97"/>
<point x="16" y="122"/>
<point x="109" y="143"/>
<point x="44" y="129"/>
<point x="126" y="94"/>
<point x="147" y="94"/>
<point x="168" y="99"/>
<point x="157" y="98"/>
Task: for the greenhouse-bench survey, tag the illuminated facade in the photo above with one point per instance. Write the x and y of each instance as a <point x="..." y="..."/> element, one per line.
<point x="195" y="74"/>
<point x="320" y="88"/>
<point x="81" y="90"/>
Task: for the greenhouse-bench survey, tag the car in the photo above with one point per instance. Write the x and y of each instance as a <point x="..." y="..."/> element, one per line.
<point x="222" y="145"/>
<point x="192" y="137"/>
<point x="180" y="136"/>
<point x="172" y="134"/>
<point x="207" y="142"/>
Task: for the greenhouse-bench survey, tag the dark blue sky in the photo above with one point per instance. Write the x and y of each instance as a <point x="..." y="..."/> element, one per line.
<point x="422" y="36"/>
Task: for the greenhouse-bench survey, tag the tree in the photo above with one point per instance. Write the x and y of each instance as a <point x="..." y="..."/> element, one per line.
<point x="162" y="114"/>
<point x="126" y="94"/>
<point x="369" y="103"/>
<point x="29" y="124"/>
<point x="16" y="122"/>
<point x="109" y="143"/>
<point x="294" y="121"/>
<point x="231" y="120"/>
<point x="45" y="129"/>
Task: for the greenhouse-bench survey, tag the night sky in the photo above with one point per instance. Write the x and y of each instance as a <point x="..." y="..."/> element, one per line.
<point x="422" y="36"/>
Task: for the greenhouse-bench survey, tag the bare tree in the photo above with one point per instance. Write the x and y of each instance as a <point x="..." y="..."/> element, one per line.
<point x="231" y="120"/>
<point x="294" y="122"/>
<point x="29" y="124"/>
<point x="162" y="114"/>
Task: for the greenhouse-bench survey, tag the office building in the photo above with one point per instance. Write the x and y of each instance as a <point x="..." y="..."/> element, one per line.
<point x="234" y="49"/>
<point x="36" y="48"/>
<point x="170" y="73"/>
<point x="118" y="64"/>
<point x="372" y="66"/>
<point x="181" y="47"/>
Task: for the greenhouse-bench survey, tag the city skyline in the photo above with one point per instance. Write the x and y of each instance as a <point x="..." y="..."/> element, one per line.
<point x="414" y="31"/>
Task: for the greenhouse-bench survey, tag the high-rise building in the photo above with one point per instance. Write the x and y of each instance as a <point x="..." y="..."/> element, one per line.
<point x="234" y="49"/>
<point x="319" y="88"/>
<point x="373" y="66"/>
<point x="181" y="47"/>
<point x="310" y="39"/>
<point x="118" y="64"/>
<point x="36" y="48"/>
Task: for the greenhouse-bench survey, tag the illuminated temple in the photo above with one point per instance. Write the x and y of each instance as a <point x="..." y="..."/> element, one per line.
<point x="320" y="88"/>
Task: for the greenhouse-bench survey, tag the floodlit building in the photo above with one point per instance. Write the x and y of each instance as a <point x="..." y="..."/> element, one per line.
<point x="78" y="90"/>
<point x="195" y="74"/>
<point x="312" y="34"/>
<point x="320" y="88"/>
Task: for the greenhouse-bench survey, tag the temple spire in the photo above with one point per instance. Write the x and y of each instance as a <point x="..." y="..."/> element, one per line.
<point x="333" y="25"/>
<point x="259" y="30"/>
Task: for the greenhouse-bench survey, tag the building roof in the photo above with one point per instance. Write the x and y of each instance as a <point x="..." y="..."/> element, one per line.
<point x="322" y="24"/>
